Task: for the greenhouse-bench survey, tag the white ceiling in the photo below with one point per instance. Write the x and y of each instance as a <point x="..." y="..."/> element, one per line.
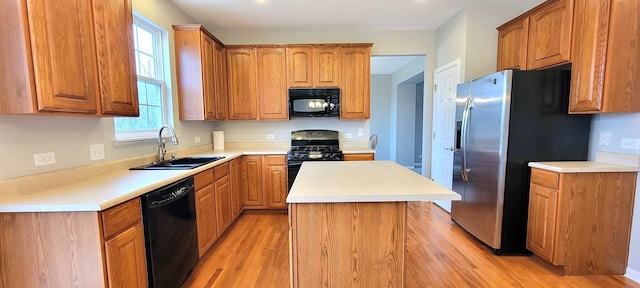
<point x="327" y="15"/>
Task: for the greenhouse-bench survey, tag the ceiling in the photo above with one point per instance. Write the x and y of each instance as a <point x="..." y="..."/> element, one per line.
<point x="328" y="15"/>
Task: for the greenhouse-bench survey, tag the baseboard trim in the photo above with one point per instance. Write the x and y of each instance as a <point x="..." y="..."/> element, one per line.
<point x="633" y="274"/>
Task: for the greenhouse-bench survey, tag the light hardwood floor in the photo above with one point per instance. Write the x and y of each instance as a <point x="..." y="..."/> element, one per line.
<point x="254" y="253"/>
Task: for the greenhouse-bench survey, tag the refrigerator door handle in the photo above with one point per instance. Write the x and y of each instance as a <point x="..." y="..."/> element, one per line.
<point x="465" y="136"/>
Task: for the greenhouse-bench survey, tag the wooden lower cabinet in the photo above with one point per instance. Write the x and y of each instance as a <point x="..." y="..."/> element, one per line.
<point x="205" y="211"/>
<point x="222" y="190"/>
<point x="265" y="179"/>
<point x="235" y="180"/>
<point x="581" y="221"/>
<point x="74" y="249"/>
<point x="358" y="157"/>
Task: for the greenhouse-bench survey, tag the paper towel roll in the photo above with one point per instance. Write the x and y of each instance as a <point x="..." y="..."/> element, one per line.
<point x="218" y="140"/>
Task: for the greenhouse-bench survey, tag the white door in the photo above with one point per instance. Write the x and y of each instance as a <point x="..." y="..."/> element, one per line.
<point x="446" y="79"/>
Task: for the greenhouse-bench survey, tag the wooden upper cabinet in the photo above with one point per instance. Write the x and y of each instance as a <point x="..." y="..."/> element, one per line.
<point x="326" y="66"/>
<point x="116" y="62"/>
<point x="201" y="74"/>
<point x="549" y="40"/>
<point x="300" y="66"/>
<point x="272" y="84"/>
<point x="606" y="59"/>
<point x="355" y="82"/>
<point x="64" y="55"/>
<point x="68" y="58"/>
<point x="512" y="44"/>
<point x="242" y="73"/>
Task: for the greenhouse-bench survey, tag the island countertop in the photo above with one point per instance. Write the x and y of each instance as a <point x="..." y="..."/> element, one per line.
<point x="363" y="181"/>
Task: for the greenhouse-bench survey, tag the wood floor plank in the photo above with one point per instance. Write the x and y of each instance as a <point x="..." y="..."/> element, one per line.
<point x="254" y="253"/>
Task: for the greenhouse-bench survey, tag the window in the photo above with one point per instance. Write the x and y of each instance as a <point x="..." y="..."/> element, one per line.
<point x="151" y="85"/>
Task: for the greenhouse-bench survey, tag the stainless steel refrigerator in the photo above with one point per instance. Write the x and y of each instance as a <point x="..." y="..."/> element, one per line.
<point x="504" y="121"/>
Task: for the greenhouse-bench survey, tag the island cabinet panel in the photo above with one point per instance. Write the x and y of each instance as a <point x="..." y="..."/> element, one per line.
<point x="355" y="82"/>
<point x="252" y="196"/>
<point x="116" y="60"/>
<point x="300" y="61"/>
<point x="242" y="79"/>
<point x="272" y="84"/>
<point x="205" y="210"/>
<point x="606" y="59"/>
<point x="512" y="44"/>
<point x="339" y="244"/>
<point x="584" y="224"/>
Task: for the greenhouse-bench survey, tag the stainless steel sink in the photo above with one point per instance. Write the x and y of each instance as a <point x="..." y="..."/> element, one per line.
<point x="179" y="164"/>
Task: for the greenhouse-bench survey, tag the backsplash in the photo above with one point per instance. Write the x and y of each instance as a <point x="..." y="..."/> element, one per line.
<point x="257" y="131"/>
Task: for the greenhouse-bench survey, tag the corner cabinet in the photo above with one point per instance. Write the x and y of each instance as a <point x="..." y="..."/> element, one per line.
<point x="355" y="82"/>
<point x="538" y="39"/>
<point x="201" y="74"/>
<point x="92" y="72"/>
<point x="606" y="58"/>
<point x="76" y="249"/>
<point x="581" y="221"/>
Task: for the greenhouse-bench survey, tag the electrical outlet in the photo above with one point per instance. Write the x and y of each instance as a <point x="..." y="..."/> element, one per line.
<point x="348" y="135"/>
<point x="96" y="151"/>
<point x="630" y="143"/>
<point x="41" y="159"/>
<point x="605" y="138"/>
<point x="360" y="132"/>
<point x="197" y="139"/>
<point x="270" y="137"/>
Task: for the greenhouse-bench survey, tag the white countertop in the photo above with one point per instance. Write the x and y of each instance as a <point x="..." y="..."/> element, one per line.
<point x="363" y="181"/>
<point x="582" y="167"/>
<point x="105" y="191"/>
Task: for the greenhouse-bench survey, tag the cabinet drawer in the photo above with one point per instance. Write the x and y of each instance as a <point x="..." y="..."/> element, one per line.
<point x="221" y="171"/>
<point x="276" y="160"/>
<point x="545" y="178"/>
<point x="118" y="218"/>
<point x="203" y="179"/>
<point x="358" y="157"/>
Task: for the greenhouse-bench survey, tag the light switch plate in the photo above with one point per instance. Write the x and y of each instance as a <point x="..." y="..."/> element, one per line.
<point x="96" y="151"/>
<point x="605" y="138"/>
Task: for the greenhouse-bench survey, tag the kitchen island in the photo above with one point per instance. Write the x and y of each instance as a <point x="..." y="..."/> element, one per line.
<point x="348" y="222"/>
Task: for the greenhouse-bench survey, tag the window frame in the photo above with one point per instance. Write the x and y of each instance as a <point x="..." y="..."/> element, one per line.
<point x="160" y="49"/>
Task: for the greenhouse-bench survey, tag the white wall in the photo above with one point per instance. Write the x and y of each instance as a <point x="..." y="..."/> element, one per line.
<point x="70" y="137"/>
<point x="621" y="126"/>
<point x="381" y="114"/>
<point x="405" y="126"/>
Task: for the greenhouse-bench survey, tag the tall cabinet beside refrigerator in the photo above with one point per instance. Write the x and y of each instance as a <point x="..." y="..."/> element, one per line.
<point x="505" y="120"/>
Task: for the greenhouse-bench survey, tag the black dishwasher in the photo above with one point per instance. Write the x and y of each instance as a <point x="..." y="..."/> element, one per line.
<point x="171" y="239"/>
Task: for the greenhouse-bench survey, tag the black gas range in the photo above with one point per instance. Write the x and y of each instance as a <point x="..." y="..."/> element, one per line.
<point x="312" y="145"/>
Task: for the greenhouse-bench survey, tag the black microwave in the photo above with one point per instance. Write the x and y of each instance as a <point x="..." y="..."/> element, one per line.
<point x="304" y="103"/>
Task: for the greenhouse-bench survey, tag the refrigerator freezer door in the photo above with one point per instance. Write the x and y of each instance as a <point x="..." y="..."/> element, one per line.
<point x="486" y="158"/>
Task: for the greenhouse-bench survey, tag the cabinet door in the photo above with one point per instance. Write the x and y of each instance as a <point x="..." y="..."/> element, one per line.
<point x="126" y="259"/>
<point x="206" y="218"/>
<point x="64" y="55"/>
<point x="512" y="44"/>
<point x="272" y="83"/>
<point x="326" y="66"/>
<point x="276" y="185"/>
<point x="542" y="221"/>
<point x="252" y="179"/>
<point x="243" y="96"/>
<point x="550" y="34"/>
<point x="235" y="171"/>
<point x="300" y="66"/>
<point x="220" y="82"/>
<point x="355" y="83"/>
<point x="208" y="76"/>
<point x="224" y="213"/>
<point x="116" y="62"/>
<point x="358" y="157"/>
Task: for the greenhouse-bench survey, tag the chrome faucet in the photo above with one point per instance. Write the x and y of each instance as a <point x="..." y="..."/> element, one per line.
<point x="161" y="148"/>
